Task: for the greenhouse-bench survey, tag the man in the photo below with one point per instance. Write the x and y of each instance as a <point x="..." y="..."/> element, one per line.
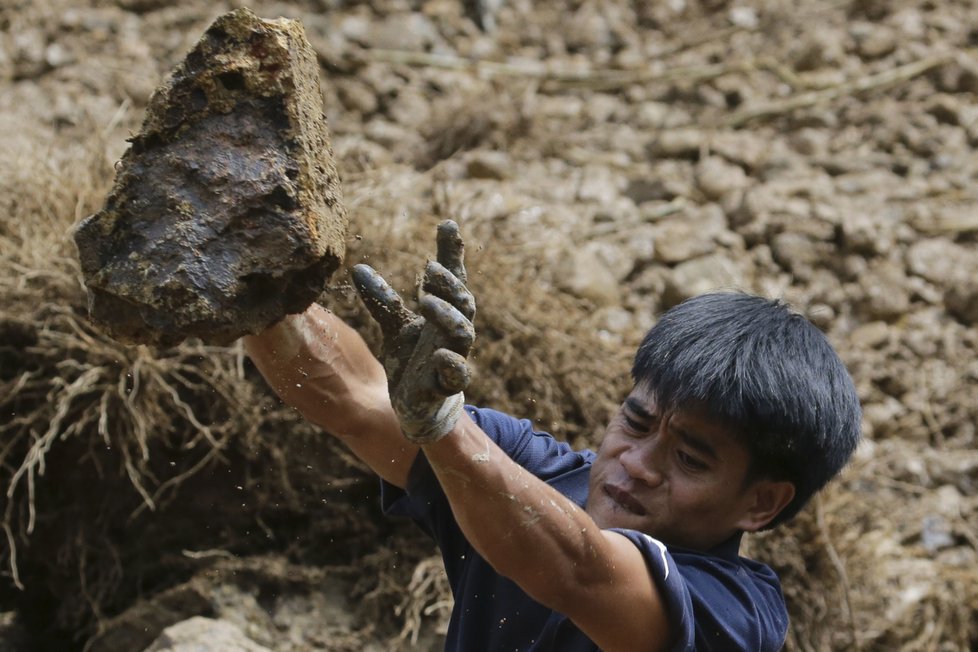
<point x="740" y="411"/>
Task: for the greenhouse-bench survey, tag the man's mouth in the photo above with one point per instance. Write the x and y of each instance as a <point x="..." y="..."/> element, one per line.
<point x="624" y="500"/>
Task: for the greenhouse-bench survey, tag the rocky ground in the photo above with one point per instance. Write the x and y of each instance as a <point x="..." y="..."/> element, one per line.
<point x="606" y="159"/>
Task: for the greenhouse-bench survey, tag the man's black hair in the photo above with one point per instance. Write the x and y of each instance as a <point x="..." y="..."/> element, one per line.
<point x="765" y="372"/>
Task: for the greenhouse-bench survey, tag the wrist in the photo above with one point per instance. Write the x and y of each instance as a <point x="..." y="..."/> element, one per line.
<point x="432" y="428"/>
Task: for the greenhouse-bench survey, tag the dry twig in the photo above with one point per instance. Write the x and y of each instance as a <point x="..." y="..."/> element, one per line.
<point x="805" y="100"/>
<point x="839" y="566"/>
<point x="553" y="78"/>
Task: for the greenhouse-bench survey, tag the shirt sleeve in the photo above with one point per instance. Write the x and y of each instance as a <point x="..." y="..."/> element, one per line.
<point x="715" y="603"/>
<point x="662" y="567"/>
<point x="423" y="500"/>
<point x="538" y="452"/>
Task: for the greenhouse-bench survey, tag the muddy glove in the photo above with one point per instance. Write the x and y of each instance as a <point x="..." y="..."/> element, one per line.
<point x="424" y="355"/>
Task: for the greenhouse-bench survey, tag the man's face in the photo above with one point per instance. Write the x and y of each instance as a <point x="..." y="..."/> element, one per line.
<point x="677" y="476"/>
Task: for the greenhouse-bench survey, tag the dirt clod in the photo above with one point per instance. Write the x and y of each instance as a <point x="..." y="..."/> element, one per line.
<point x="226" y="211"/>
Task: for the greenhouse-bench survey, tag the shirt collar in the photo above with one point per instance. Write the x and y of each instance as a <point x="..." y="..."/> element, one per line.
<point x="730" y="548"/>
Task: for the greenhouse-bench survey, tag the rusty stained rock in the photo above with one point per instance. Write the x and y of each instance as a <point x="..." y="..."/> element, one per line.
<point x="226" y="212"/>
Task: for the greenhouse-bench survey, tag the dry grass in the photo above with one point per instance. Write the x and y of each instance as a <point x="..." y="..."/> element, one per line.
<point x="106" y="444"/>
<point x="83" y="410"/>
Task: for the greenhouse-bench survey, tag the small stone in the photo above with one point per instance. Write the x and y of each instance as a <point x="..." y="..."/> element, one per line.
<point x="960" y="76"/>
<point x="870" y="336"/>
<point x="357" y="96"/>
<point x="869" y="232"/>
<point x="818" y="49"/>
<point x="412" y="32"/>
<point x="13" y="635"/>
<point x="745" y="148"/>
<point x="410" y="108"/>
<point x="688" y="236"/>
<point x="744" y="17"/>
<point x="885" y="294"/>
<point x="201" y="634"/>
<point x="618" y="259"/>
<point x="821" y="314"/>
<point x="583" y="274"/>
<point x="355" y="154"/>
<point x="810" y="142"/>
<point x="705" y="274"/>
<point x="940" y="260"/>
<point x="142" y="6"/>
<point x="961" y="300"/>
<point x="645" y="189"/>
<point x="354" y="27"/>
<point x="599" y="184"/>
<point x="489" y="165"/>
<point x="56" y="55"/>
<point x="677" y="143"/>
<point x="798" y="253"/>
<point x="946" y="108"/>
<point x="613" y="323"/>
<point x="28" y="53"/>
<point x="882" y="416"/>
<point x="873" y="41"/>
<point x="909" y="22"/>
<point x="226" y="212"/>
<point x="389" y="134"/>
<point x="664" y="182"/>
<point x="716" y="177"/>
<point x="587" y="29"/>
<point x="651" y="115"/>
<point x="935" y="533"/>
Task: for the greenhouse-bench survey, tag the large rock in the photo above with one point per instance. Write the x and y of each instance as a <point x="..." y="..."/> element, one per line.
<point x="226" y="212"/>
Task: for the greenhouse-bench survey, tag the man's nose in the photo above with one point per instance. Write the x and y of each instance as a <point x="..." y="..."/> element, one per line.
<point x="641" y="462"/>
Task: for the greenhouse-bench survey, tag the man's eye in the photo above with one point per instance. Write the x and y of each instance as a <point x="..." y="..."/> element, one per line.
<point x="633" y="424"/>
<point x="690" y="462"/>
<point x="644" y="424"/>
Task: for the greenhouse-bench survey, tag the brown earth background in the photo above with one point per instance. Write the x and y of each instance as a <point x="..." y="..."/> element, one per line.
<point x="605" y="159"/>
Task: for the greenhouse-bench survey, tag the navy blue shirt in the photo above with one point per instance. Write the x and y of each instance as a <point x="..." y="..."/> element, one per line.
<point x="716" y="600"/>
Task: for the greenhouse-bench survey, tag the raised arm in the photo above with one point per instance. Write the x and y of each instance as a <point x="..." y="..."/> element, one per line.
<point x="537" y="537"/>
<point x="323" y="368"/>
<point x="524" y="528"/>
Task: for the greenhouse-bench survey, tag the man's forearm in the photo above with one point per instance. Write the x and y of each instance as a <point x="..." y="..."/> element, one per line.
<point x="549" y="546"/>
<point x="315" y="362"/>
<point x="323" y="368"/>
<point x="527" y="530"/>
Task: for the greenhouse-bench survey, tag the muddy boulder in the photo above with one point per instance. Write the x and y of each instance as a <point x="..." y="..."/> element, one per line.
<point x="226" y="211"/>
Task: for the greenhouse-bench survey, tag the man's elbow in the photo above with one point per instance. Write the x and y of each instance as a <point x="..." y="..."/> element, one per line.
<point x="566" y="591"/>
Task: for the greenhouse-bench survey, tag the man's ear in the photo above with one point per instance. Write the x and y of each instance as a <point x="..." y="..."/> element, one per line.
<point x="765" y="500"/>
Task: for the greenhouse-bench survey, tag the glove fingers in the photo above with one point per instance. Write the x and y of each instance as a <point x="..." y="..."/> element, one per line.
<point x="442" y="283"/>
<point x="452" y="325"/>
<point x="451" y="370"/>
<point x="382" y="301"/>
<point x="451" y="250"/>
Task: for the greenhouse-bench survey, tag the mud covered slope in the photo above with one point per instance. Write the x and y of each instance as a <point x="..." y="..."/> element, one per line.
<point x="605" y="159"/>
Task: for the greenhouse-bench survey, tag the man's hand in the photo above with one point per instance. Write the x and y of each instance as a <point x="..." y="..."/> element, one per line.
<point x="424" y="355"/>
